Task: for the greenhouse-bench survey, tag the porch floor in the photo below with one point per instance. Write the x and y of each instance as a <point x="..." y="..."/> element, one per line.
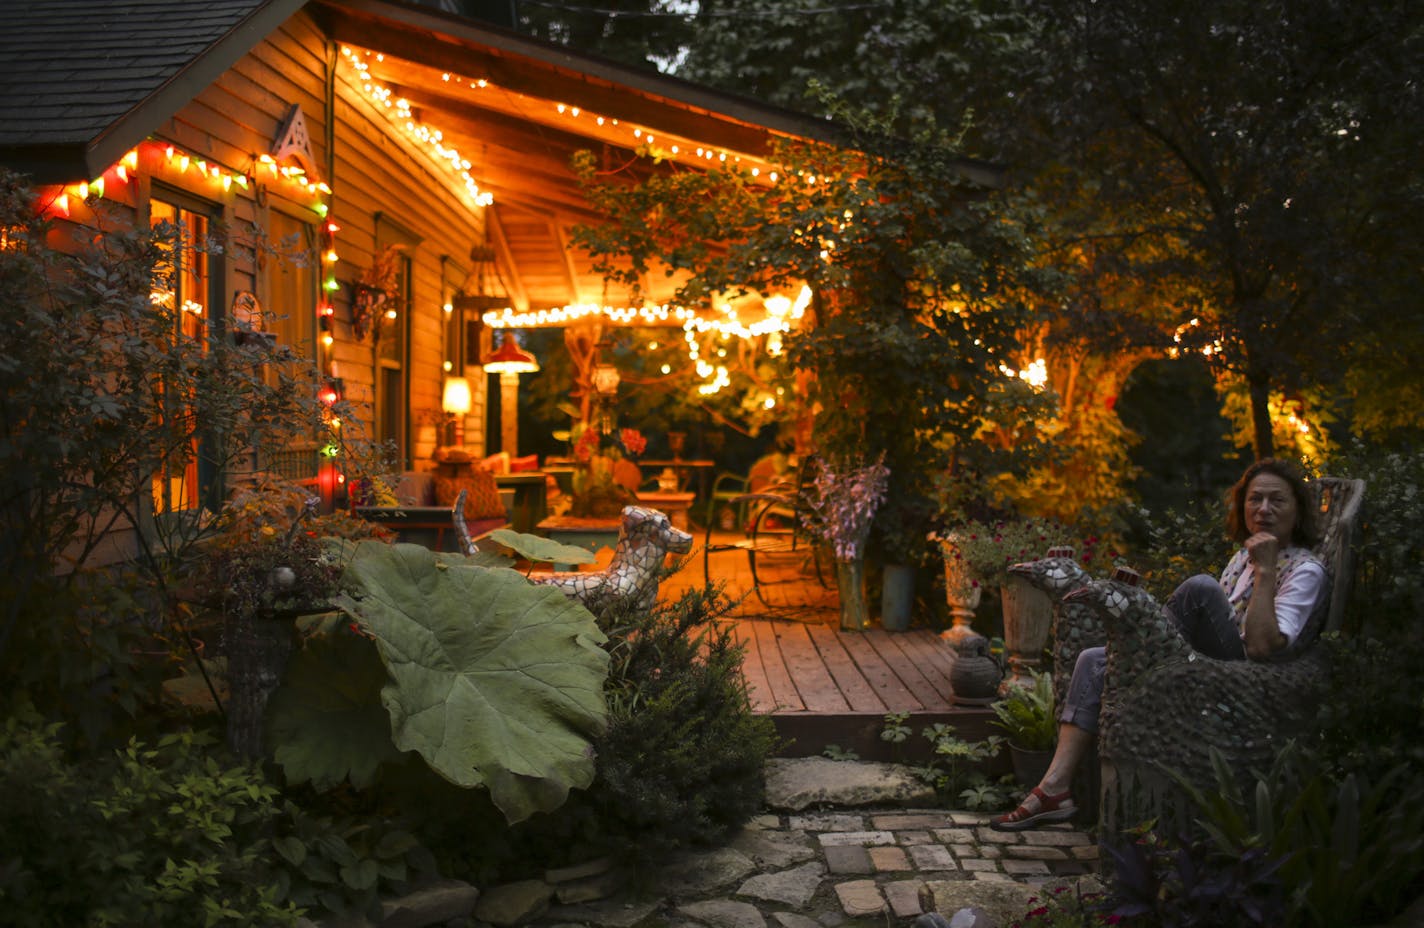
<point x="823" y="686"/>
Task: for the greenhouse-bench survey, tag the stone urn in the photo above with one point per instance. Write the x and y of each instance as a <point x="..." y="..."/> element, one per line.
<point x="976" y="675"/>
<point x="1028" y="619"/>
<point x="962" y="593"/>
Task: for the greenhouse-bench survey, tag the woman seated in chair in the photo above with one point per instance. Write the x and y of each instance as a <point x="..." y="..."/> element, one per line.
<point x="1255" y="611"/>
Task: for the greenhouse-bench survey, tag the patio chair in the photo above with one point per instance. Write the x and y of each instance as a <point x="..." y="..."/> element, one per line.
<point x="726" y="504"/>
<point x="773" y="528"/>
<point x="1174" y="705"/>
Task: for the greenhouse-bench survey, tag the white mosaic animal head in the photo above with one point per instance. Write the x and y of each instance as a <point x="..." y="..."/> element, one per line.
<point x="651" y="525"/>
<point x="1117" y="601"/>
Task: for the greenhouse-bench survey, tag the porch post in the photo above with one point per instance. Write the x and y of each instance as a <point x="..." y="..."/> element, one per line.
<point x="509" y="414"/>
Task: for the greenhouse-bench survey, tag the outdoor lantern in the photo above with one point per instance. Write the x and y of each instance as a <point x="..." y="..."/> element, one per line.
<point x="511" y="359"/>
<point x="605" y="382"/>
<point x="605" y="379"/>
<point x="456" y="399"/>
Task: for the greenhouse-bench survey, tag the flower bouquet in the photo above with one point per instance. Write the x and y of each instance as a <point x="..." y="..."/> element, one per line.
<point x="605" y="478"/>
<point x="839" y="510"/>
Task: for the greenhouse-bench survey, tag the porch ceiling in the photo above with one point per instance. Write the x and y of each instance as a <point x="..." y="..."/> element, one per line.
<point x="519" y="113"/>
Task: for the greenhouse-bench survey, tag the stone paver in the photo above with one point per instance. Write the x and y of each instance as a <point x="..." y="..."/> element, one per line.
<point x="930" y="857"/>
<point x="856" y="838"/>
<point x="904" y="897"/>
<point x="860" y="898"/>
<point x="848" y="859"/>
<point x="889" y="859"/>
<point x="823" y="865"/>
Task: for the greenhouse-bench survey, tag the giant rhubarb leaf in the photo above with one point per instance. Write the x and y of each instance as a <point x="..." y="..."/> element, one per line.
<point x="326" y="723"/>
<point x="494" y="681"/>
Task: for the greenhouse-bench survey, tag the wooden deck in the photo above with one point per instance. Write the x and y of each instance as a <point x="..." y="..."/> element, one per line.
<point x="823" y="686"/>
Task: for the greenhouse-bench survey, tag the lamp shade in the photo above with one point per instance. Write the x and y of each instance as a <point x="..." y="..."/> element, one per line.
<point x="456" y="399"/>
<point x="510" y="358"/>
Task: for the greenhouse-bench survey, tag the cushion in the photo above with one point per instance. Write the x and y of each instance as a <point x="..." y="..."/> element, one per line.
<point x="522" y="465"/>
<point x="497" y="463"/>
<point x="482" y="499"/>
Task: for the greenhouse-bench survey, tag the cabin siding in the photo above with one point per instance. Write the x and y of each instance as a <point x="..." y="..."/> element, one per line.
<point x="372" y="170"/>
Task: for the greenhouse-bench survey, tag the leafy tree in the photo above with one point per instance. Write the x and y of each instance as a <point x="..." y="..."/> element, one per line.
<point x="1268" y="148"/>
<point x="100" y="391"/>
<point x="918" y="283"/>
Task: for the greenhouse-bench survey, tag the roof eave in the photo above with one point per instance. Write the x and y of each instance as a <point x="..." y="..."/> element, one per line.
<point x="69" y="162"/>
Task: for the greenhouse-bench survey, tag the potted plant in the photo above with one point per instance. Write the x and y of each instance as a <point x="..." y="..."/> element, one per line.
<point x="988" y="550"/>
<point x="1026" y="714"/>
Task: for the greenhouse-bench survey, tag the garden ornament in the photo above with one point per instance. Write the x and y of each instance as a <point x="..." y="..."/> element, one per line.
<point x="645" y="539"/>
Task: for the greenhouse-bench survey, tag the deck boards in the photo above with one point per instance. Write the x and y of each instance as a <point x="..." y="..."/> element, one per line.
<point x="857" y="691"/>
<point x="823" y="686"/>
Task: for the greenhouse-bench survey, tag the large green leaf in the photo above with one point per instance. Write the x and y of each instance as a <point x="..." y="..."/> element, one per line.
<point x="494" y="681"/>
<point x="535" y="548"/>
<point x="326" y="723"/>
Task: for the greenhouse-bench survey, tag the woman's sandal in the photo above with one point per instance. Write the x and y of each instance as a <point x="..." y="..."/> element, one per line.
<point x="1058" y="808"/>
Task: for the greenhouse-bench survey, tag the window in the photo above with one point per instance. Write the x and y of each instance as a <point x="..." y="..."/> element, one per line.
<point x="292" y="283"/>
<point x="187" y="286"/>
<point x="392" y="334"/>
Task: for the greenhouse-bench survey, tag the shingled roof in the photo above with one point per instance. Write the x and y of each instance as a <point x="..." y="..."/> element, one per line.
<point x="81" y="81"/>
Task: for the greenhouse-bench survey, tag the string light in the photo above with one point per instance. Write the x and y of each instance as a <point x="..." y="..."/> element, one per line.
<point x="432" y="139"/>
<point x="1035" y="375"/>
<point x="680" y="149"/>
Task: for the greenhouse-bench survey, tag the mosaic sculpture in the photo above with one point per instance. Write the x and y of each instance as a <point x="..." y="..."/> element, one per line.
<point x="645" y="539"/>
<point x="1165" y="706"/>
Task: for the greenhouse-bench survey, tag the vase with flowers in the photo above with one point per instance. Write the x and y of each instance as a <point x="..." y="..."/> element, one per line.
<point x="605" y="478"/>
<point x="845" y="495"/>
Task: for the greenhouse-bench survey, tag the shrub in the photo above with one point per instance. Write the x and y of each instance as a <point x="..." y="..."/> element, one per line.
<point x="681" y="761"/>
<point x="1350" y="848"/>
<point x="161" y="836"/>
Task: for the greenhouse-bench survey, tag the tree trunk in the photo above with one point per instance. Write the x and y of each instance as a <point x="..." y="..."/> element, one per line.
<point x="257" y="652"/>
<point x="1260" y="392"/>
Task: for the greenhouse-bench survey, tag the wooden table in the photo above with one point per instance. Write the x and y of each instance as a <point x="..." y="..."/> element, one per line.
<point x="674" y="504"/>
<point x="593" y="534"/>
<point x="530" y="497"/>
<point x="683" y="467"/>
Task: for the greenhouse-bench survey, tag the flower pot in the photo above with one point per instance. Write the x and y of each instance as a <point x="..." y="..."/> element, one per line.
<point x="1028" y="618"/>
<point x="1029" y="766"/>
<point x="850" y="583"/>
<point x="897" y="596"/>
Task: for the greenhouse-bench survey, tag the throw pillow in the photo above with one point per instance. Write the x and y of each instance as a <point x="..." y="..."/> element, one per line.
<point x="482" y="499"/>
<point x="523" y="465"/>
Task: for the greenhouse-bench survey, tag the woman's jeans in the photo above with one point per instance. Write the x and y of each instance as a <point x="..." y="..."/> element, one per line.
<point x="1200" y="610"/>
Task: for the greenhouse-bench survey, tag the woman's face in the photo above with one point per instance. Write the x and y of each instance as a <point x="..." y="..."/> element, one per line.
<point x="1270" y="507"/>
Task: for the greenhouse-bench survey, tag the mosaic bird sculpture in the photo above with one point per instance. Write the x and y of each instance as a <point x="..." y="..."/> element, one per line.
<point x="1165" y="706"/>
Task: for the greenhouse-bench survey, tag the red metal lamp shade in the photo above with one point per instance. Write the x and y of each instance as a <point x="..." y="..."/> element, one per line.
<point x="510" y="358"/>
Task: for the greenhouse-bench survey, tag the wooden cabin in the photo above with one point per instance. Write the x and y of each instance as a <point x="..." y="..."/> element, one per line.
<point x="418" y="160"/>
